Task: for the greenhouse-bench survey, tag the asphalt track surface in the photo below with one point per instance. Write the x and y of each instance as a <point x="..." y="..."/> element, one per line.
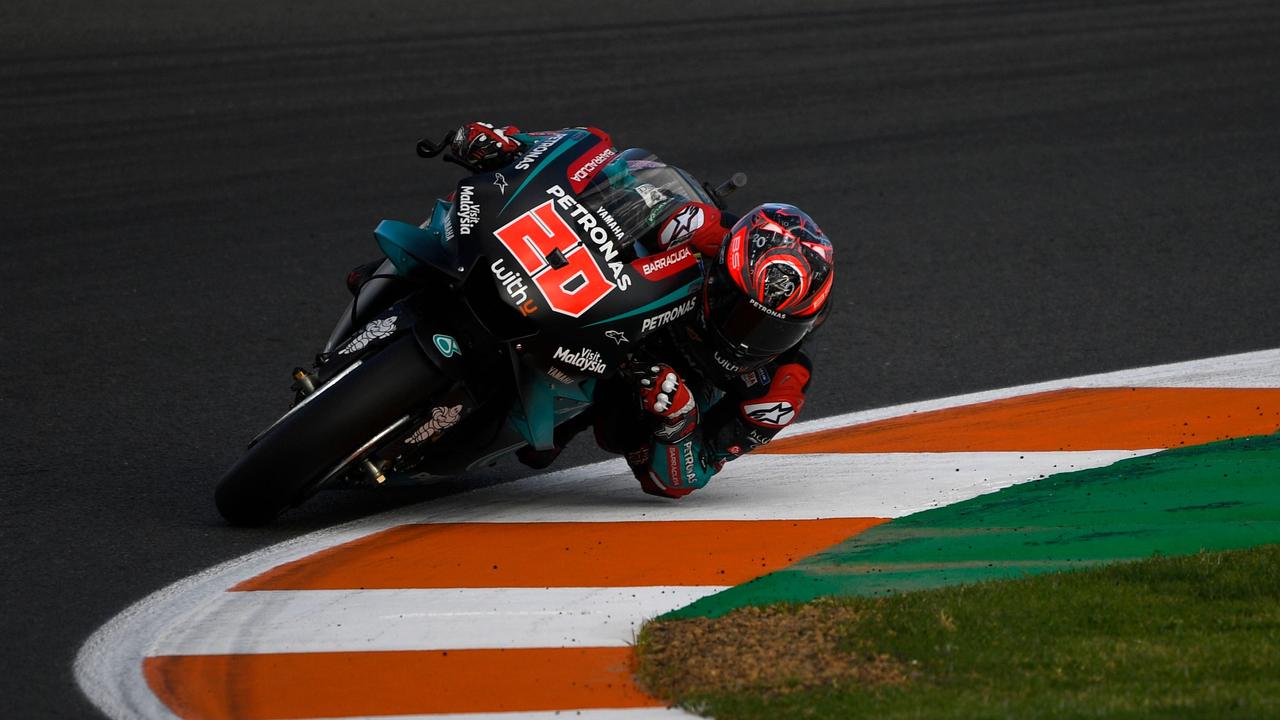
<point x="1019" y="191"/>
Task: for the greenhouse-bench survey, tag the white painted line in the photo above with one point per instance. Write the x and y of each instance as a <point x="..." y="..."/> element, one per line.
<point x="108" y="667"/>
<point x="1247" y="370"/>
<point x="280" y="621"/>
<point x="769" y="487"/>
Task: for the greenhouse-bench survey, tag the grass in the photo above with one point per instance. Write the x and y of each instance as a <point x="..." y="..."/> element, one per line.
<point x="1187" y="637"/>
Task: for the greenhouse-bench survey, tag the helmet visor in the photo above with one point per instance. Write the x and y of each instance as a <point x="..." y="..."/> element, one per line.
<point x="750" y="329"/>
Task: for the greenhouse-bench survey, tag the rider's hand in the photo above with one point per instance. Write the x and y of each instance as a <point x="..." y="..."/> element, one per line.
<point x="665" y="395"/>
<point x="701" y="225"/>
<point x="484" y="145"/>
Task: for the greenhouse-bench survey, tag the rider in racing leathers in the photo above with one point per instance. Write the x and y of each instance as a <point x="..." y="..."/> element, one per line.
<point x="721" y="381"/>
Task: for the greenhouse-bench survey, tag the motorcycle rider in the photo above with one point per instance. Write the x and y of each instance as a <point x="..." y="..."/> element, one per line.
<point x="721" y="381"/>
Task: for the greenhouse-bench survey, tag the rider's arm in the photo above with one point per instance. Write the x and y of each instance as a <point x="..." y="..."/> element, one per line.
<point x="702" y="225"/>
<point x="673" y="462"/>
<point x="684" y="454"/>
<point x="763" y="402"/>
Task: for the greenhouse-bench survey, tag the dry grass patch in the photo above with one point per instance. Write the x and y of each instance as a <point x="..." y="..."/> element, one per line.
<point x="775" y="649"/>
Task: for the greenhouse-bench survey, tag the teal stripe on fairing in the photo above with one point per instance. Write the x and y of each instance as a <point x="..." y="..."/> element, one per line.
<point x="542" y="164"/>
<point x="669" y="297"/>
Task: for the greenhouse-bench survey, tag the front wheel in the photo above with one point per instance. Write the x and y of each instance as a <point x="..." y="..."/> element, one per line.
<point x="332" y="424"/>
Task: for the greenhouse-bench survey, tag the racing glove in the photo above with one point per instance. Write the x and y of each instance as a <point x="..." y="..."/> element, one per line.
<point x="664" y="395"/>
<point x="668" y="465"/>
<point x="484" y="145"/>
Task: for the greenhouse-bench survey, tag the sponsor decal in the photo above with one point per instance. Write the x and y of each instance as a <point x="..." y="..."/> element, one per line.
<point x="557" y="374"/>
<point x="594" y="230"/>
<point x="757" y="438"/>
<point x="610" y="222"/>
<point x="772" y="413"/>
<point x="538" y="151"/>
<point x="513" y="283"/>
<point x="679" y="311"/>
<point x="557" y="261"/>
<point x="726" y="363"/>
<point x="447" y="346"/>
<point x="377" y="330"/>
<point x="591" y="162"/>
<point x="442" y="418"/>
<point x="765" y="308"/>
<point x="652" y="196"/>
<point x="679" y="429"/>
<point x="682" y="225"/>
<point x="686" y="449"/>
<point x="501" y="182"/>
<point x="617" y="336"/>
<point x="755" y="377"/>
<point x="639" y="456"/>
<point x="448" y="231"/>
<point x="666" y="264"/>
<point x="673" y="465"/>
<point x="468" y="210"/>
<point x="586" y="360"/>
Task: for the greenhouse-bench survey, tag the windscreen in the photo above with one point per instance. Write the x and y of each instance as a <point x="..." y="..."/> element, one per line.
<point x="636" y="191"/>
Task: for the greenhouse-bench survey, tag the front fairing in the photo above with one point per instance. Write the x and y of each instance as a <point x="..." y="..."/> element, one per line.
<point x="558" y="233"/>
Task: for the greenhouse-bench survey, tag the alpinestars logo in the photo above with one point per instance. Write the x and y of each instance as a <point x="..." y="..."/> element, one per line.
<point x="776" y="414"/>
<point x="682" y="225"/>
<point x="501" y="182"/>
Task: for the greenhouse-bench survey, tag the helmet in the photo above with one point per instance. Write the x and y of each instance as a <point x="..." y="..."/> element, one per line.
<point x="768" y="288"/>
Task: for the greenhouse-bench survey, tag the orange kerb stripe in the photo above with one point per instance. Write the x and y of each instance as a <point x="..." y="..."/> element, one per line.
<point x="587" y="554"/>
<point x="1093" y="419"/>
<point x="296" y="685"/>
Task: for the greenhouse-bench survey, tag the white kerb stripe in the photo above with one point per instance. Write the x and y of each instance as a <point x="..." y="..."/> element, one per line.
<point x="282" y="621"/>
<point x="1247" y="370"/>
<point x="769" y="487"/>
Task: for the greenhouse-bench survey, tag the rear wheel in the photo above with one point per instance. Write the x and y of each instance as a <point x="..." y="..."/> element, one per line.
<point x="312" y="442"/>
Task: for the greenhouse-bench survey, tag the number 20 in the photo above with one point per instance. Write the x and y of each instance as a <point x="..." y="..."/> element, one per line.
<point x="570" y="290"/>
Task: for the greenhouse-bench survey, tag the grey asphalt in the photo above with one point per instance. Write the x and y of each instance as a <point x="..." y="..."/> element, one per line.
<point x="1018" y="190"/>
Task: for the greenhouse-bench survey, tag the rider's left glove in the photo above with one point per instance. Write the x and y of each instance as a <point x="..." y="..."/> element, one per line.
<point x="484" y="145"/>
<point x="665" y="396"/>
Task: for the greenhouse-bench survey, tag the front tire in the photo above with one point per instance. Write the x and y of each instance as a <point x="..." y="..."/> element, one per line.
<point x="283" y="466"/>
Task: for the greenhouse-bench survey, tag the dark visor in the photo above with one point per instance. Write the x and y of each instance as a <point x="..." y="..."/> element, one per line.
<point x="752" y="330"/>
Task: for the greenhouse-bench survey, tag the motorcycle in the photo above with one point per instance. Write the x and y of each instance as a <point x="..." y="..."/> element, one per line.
<point x="484" y="328"/>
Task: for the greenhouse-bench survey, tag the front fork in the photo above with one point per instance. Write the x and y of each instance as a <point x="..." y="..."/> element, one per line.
<point x="304" y="383"/>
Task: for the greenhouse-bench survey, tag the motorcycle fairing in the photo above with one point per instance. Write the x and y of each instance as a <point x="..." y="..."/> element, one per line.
<point x="538" y="189"/>
<point x="413" y="248"/>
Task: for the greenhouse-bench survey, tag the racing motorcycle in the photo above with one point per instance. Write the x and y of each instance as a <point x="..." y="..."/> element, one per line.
<point x="481" y="330"/>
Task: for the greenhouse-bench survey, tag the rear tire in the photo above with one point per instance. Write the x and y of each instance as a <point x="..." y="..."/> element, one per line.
<point x="280" y="469"/>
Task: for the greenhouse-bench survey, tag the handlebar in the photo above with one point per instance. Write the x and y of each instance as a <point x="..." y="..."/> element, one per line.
<point x="721" y="192"/>
<point x="428" y="149"/>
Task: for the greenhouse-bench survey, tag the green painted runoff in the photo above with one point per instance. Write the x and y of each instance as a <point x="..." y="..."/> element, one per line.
<point x="1221" y="496"/>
